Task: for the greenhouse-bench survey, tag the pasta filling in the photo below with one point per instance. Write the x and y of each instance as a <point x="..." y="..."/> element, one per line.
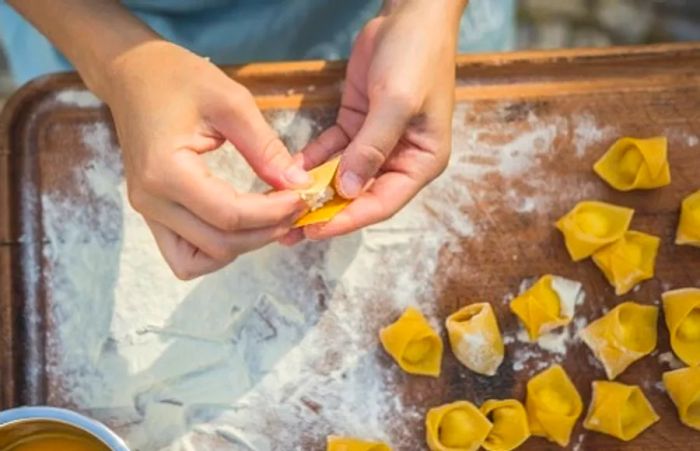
<point x="689" y="329"/>
<point x="593" y="223"/>
<point x="455" y="429"/>
<point x="417" y="350"/>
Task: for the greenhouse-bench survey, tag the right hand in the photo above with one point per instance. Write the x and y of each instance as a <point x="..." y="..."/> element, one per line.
<point x="170" y="106"/>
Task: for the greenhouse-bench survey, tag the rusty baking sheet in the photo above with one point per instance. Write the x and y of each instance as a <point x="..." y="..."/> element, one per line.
<point x="639" y="91"/>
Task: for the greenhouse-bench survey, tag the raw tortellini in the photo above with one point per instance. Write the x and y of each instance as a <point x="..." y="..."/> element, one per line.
<point x="683" y="386"/>
<point x="458" y="426"/>
<point x="510" y="428"/>
<point x="635" y="164"/>
<point x="413" y="344"/>
<point x="682" y="311"/>
<point x="624" y="335"/>
<point x="592" y="225"/>
<point x="628" y="261"/>
<point x="353" y="444"/>
<point x="619" y="410"/>
<point x="553" y="405"/>
<point x="548" y="304"/>
<point x="475" y="338"/>
<point x="689" y="223"/>
<point x="324" y="203"/>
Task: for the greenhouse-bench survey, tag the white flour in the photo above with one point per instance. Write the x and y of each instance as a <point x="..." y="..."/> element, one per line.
<point x="277" y="348"/>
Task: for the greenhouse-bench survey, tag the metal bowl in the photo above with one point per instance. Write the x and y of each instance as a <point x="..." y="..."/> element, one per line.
<point x="17" y="425"/>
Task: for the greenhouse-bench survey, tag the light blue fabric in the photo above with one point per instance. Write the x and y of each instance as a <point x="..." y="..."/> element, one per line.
<point x="240" y="31"/>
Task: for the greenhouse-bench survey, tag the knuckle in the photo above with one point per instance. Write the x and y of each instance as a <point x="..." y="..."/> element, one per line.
<point x="372" y="156"/>
<point x="183" y="272"/>
<point x="238" y="95"/>
<point x="230" y="219"/>
<point x="399" y="96"/>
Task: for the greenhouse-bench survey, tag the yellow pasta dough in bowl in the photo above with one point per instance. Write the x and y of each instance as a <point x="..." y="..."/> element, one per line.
<point x="682" y="312"/>
<point x="635" y="164"/>
<point x="475" y="338"/>
<point x="622" y="336"/>
<point x="619" y="410"/>
<point x="683" y="387"/>
<point x="553" y="405"/>
<point x="321" y="197"/>
<point x="413" y="344"/>
<point x="590" y="225"/>
<point x="628" y="261"/>
<point x="689" y="223"/>
<point x="510" y="428"/>
<point x="334" y="443"/>
<point x="548" y="304"/>
<point x="458" y="426"/>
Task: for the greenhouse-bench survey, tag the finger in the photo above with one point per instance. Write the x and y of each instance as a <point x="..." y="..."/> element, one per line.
<point x="328" y="143"/>
<point x="291" y="238"/>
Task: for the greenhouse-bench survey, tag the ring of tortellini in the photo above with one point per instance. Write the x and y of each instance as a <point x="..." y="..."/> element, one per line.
<point x="458" y="426"/>
<point x="682" y="312"/>
<point x="510" y="428"/>
<point x="619" y="410"/>
<point x="683" y="387"/>
<point x="628" y="261"/>
<point x="553" y="405"/>
<point x="689" y="223"/>
<point x="591" y="225"/>
<point x="635" y="164"/>
<point x="548" y="304"/>
<point x="475" y="338"/>
<point x="322" y="199"/>
<point x="622" y="336"/>
<point x="413" y="344"/>
<point x="334" y="443"/>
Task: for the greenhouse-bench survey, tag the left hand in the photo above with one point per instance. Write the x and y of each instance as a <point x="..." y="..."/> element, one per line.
<point x="395" y="118"/>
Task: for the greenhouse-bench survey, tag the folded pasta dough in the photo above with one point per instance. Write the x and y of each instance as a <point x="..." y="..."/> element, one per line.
<point x="322" y="199"/>
<point x="635" y="164"/>
<point x="683" y="386"/>
<point x="682" y="312"/>
<point x="475" y="338"/>
<point x="628" y="261"/>
<point x="622" y="336"/>
<point x="458" y="426"/>
<point x="548" y="304"/>
<point x="619" y="410"/>
<point x="553" y="405"/>
<point x="510" y="428"/>
<point x="689" y="223"/>
<point x="334" y="443"/>
<point x="592" y="225"/>
<point x="413" y="344"/>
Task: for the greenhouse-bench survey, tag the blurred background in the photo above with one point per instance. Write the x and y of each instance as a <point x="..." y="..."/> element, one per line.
<point x="547" y="24"/>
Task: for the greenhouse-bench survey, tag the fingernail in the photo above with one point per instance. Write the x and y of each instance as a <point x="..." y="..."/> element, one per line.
<point x="350" y="184"/>
<point x="297" y="176"/>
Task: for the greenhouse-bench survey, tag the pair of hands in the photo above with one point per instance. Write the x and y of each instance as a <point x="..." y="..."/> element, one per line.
<point x="393" y="126"/>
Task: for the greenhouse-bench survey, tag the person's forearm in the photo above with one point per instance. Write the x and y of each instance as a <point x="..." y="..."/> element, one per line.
<point x="90" y="33"/>
<point x="447" y="12"/>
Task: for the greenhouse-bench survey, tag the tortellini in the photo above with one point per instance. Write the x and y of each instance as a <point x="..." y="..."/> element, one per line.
<point x="458" y="426"/>
<point x="689" y="223"/>
<point x="353" y="444"/>
<point x="624" y="335"/>
<point x="592" y="225"/>
<point x="619" y="410"/>
<point x="682" y="311"/>
<point x="475" y="338"/>
<point x="510" y="428"/>
<point x="635" y="164"/>
<point x="413" y="344"/>
<point x="553" y="405"/>
<point x="683" y="386"/>
<point x="323" y="201"/>
<point x="628" y="261"/>
<point x="548" y="304"/>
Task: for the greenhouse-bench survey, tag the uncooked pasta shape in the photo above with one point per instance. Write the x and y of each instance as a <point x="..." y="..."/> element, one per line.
<point x="592" y="225"/>
<point x="683" y="386"/>
<point x="323" y="201"/>
<point x="510" y="428"/>
<point x="622" y="336"/>
<point x="682" y="312"/>
<point x="413" y="344"/>
<point x="548" y="304"/>
<point x="475" y="338"/>
<point x="353" y="444"/>
<point x="458" y="426"/>
<point x="628" y="261"/>
<point x="619" y="410"/>
<point x="635" y="164"/>
<point x="553" y="405"/>
<point x="689" y="223"/>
